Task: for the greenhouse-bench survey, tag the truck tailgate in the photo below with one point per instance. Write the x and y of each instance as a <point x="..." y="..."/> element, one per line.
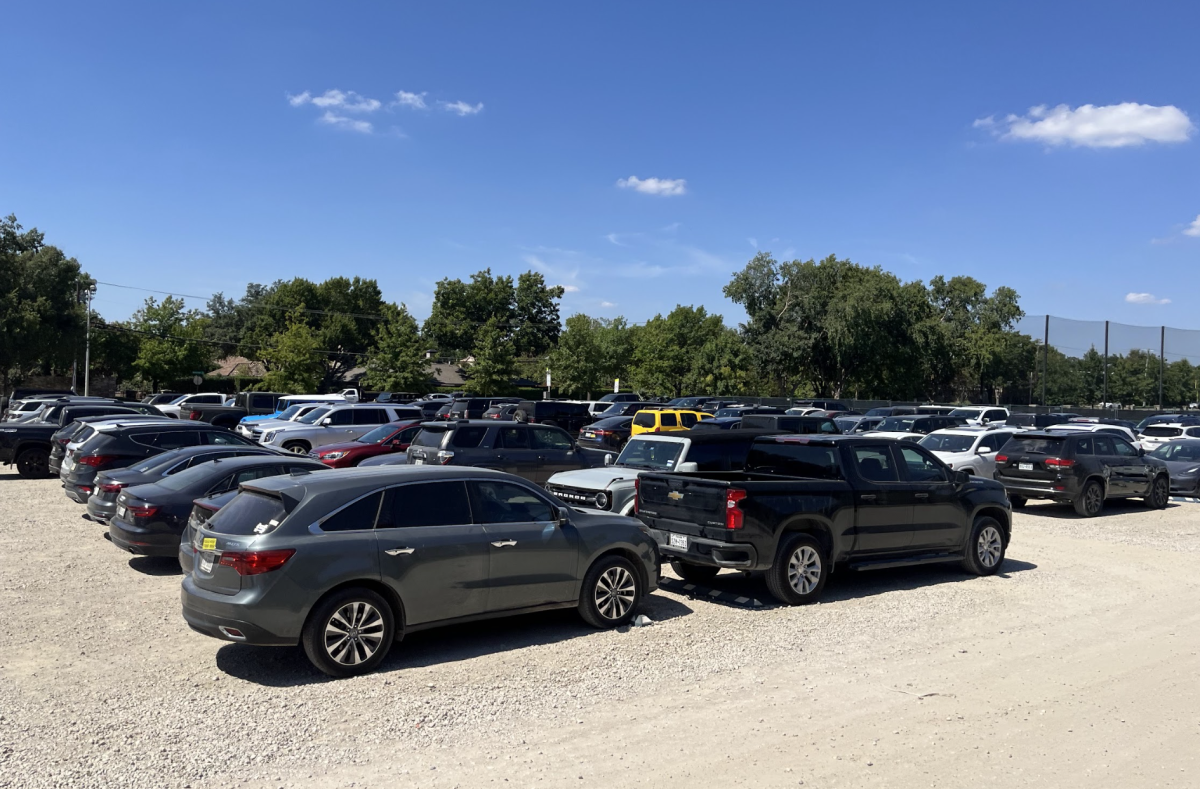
<point x="682" y="504"/>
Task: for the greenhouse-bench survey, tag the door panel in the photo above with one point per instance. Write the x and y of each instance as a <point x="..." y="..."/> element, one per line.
<point x="1106" y="454"/>
<point x="884" y="511"/>
<point x="555" y="452"/>
<point x="514" y="454"/>
<point x="939" y="521"/>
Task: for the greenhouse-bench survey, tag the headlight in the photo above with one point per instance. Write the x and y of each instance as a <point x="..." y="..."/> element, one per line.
<point x="270" y="436"/>
<point x="602" y="500"/>
<point x="333" y="456"/>
<point x="1195" y="470"/>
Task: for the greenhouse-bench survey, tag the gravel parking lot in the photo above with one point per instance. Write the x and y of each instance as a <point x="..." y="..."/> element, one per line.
<point x="1075" y="666"/>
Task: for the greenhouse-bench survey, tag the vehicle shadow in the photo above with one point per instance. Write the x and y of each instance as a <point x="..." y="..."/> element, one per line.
<point x="1054" y="509"/>
<point x="288" y="667"/>
<point x="155" y="565"/>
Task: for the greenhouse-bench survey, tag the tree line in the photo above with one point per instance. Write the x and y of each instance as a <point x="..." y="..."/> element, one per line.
<point x="827" y="327"/>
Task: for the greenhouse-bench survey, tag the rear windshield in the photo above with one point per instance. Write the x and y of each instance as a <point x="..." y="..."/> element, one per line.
<point x="1034" y="445"/>
<point x="83" y="435"/>
<point x="794" y="460"/>
<point x="429" y="438"/>
<point x="191" y="476"/>
<point x="1163" y="432"/>
<point x="947" y="443"/>
<point x="644" y="419"/>
<point x="248" y="513"/>
<point x="612" y="423"/>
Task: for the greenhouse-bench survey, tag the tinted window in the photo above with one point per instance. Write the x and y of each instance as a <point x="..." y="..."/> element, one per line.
<point x="875" y="464"/>
<point x="343" y="417"/>
<point x="175" y="439"/>
<point x="1035" y="446"/>
<point x="468" y="437"/>
<point x="429" y="438"/>
<point x="990" y="442"/>
<point x="1123" y="448"/>
<point x="225" y="438"/>
<point x="369" y="416"/>
<point x="1083" y="446"/>
<point x="260" y="401"/>
<point x="1163" y="432"/>
<point x="794" y="459"/>
<point x="426" y="504"/>
<point x="1104" y="445"/>
<point x="503" y="502"/>
<point x="920" y="467"/>
<point x="248" y="513"/>
<point x="726" y="456"/>
<point x="359" y="515"/>
<point x="687" y="420"/>
<point x="668" y="420"/>
<point x="996" y="416"/>
<point x="948" y="443"/>
<point x="549" y="438"/>
<point x="407" y="435"/>
<point x="644" y="419"/>
<point x="828" y="426"/>
<point x="512" y="438"/>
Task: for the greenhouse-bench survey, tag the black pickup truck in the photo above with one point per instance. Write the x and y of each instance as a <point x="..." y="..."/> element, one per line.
<point x="244" y="404"/>
<point x="805" y="504"/>
<point x="28" y="444"/>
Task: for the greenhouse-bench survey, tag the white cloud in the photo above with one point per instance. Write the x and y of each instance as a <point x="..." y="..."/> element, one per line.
<point x="462" y="108"/>
<point x="347" y="102"/>
<point x="607" y="304"/>
<point x="414" y="100"/>
<point x="1110" y="126"/>
<point x="570" y="288"/>
<point x="300" y="99"/>
<point x="1144" y="298"/>
<point x="753" y="242"/>
<point x="1194" y="228"/>
<point x="665" y="187"/>
<point x="343" y="122"/>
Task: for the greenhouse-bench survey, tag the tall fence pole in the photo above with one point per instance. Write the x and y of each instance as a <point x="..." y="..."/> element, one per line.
<point x="1162" y="354"/>
<point x="1045" y="361"/>
<point x="1104" y="397"/>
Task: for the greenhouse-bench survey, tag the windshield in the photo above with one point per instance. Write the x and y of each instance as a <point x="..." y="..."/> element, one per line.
<point x="378" y="435"/>
<point x="966" y="413"/>
<point x="896" y="424"/>
<point x="289" y="412"/>
<point x="1181" y="450"/>
<point x="845" y="424"/>
<point x="313" y="415"/>
<point x="654" y="455"/>
<point x="177" y="400"/>
<point x="728" y="412"/>
<point x="947" y="443"/>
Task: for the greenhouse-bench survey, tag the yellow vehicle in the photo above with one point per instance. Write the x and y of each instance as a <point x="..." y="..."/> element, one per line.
<point x="668" y="421"/>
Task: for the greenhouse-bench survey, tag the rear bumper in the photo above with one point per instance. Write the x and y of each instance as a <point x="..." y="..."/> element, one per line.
<point x="710" y="553"/>
<point x="1036" y="489"/>
<point x="141" y="541"/>
<point x="78" y="493"/>
<point x="208" y="615"/>
<point x="101" y="511"/>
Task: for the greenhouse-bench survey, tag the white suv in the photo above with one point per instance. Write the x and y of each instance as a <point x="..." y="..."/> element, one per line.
<point x="981" y="414"/>
<point x="334" y="424"/>
<point x="1154" y="436"/>
<point x="969" y="449"/>
<point x="204" y="398"/>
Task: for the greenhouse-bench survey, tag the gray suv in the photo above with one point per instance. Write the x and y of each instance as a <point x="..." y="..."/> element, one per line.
<point x="348" y="561"/>
<point x="534" y="452"/>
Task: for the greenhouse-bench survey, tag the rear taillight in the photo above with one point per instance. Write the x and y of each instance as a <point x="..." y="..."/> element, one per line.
<point x="733" y="510"/>
<point x="63" y="441"/>
<point x="637" y="493"/>
<point x="111" y="487"/>
<point x="1001" y="458"/>
<point x="194" y="415"/>
<point x="444" y="457"/>
<point x="1059" y="462"/>
<point x="96" y="460"/>
<point x="603" y="432"/>
<point x="256" y="562"/>
<point x="142" y="512"/>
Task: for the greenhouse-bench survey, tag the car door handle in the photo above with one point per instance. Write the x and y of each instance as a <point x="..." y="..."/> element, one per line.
<point x="868" y="497"/>
<point x="504" y="544"/>
<point x="399" y="551"/>
<point x="922" y="495"/>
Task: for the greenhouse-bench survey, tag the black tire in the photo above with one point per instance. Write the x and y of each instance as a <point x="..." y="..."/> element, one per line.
<point x="1160" y="493"/>
<point x="1018" y="502"/>
<point x="521" y="415"/>
<point x="33" y="463"/>
<point x="985" y="547"/>
<point x="696" y="573"/>
<point x="1091" y="499"/>
<point x="795" y="585"/>
<point x="611" y="592"/>
<point x="297" y="447"/>
<point x="372" y="627"/>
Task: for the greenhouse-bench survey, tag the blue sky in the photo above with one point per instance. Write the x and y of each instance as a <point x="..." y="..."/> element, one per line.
<point x="194" y="148"/>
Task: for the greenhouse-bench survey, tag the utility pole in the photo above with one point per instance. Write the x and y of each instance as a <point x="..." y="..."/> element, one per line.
<point x="1046" y="361"/>
<point x="87" y="352"/>
<point x="1104" y="397"/>
<point x="1162" y="353"/>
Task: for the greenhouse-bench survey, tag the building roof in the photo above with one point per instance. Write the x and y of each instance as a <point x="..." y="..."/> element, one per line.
<point x="232" y="366"/>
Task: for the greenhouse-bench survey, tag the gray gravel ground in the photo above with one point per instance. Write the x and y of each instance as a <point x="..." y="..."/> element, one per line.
<point x="102" y="683"/>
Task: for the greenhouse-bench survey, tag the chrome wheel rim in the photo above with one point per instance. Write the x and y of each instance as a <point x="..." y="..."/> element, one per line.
<point x="296" y="449"/>
<point x="354" y="633"/>
<point x="615" y="592"/>
<point x="804" y="569"/>
<point x="1092" y="498"/>
<point x="989" y="547"/>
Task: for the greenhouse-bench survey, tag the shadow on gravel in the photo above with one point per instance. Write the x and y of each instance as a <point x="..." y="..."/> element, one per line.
<point x="282" y="667"/>
<point x="16" y="477"/>
<point x="1053" y="509"/>
<point x="155" y="565"/>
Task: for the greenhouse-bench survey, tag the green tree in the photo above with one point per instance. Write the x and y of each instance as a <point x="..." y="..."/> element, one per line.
<point x="527" y="313"/>
<point x="1181" y="386"/>
<point x="665" y="349"/>
<point x="115" y="350"/>
<point x="293" y="358"/>
<point x="398" y="362"/>
<point x="591" y="353"/>
<point x="720" y="366"/>
<point x="535" y="310"/>
<point x="172" y="344"/>
<point x="495" y="364"/>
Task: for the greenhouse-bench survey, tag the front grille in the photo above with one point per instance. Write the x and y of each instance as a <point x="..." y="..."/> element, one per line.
<point x="256" y="434"/>
<point x="582" y="498"/>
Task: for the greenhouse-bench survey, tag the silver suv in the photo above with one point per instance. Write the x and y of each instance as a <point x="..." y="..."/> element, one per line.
<point x="334" y="424"/>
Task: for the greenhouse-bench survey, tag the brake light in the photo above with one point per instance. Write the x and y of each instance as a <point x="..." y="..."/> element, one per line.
<point x="1001" y="458"/>
<point x="637" y="493"/>
<point x="256" y="562"/>
<point x="194" y="415"/>
<point x="733" y="510"/>
<point x="142" y="512"/>
<point x="445" y="457"/>
<point x="111" y="487"/>
<point x="1059" y="462"/>
<point x="603" y="432"/>
<point x="96" y="460"/>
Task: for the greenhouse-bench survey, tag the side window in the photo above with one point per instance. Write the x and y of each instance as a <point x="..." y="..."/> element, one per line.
<point x="407" y="435"/>
<point x="504" y="502"/>
<point x="513" y="438"/>
<point x="1103" y="445"/>
<point x="875" y="464"/>
<point x="1194" y="432"/>
<point x="921" y="468"/>
<point x="687" y="420"/>
<point x="254" y="473"/>
<point x="225" y="438"/>
<point x="644" y="419"/>
<point x="178" y="438"/>
<point x="828" y="426"/>
<point x="145" y="439"/>
<point x="716" y="457"/>
<point x="358" y="516"/>
<point x="426" y="504"/>
<point x="996" y="416"/>
<point x="468" y="437"/>
<point x="222" y="485"/>
<point x="343" y="417"/>
<point x="1124" y="449"/>
<point x="550" y="438"/>
<point x="369" y="416"/>
<point x="668" y="420"/>
<point x="260" y="401"/>
<point x="1083" y="446"/>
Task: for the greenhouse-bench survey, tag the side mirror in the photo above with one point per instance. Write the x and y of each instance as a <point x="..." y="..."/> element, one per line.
<point x="1141" y="452"/>
<point x="609" y="459"/>
<point x="326" y="422"/>
<point x="961" y="478"/>
<point x="984" y="421"/>
<point x="563" y="515"/>
<point x="688" y="467"/>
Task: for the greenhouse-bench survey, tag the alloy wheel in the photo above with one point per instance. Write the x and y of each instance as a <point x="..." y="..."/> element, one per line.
<point x="1093" y="498"/>
<point x="615" y="592"/>
<point x="1162" y="492"/>
<point x="354" y="633"/>
<point x="804" y="569"/>
<point x="989" y="547"/>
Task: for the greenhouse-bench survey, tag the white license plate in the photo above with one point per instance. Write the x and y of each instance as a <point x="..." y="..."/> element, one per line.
<point x="68" y="464"/>
<point x="418" y="461"/>
<point x="589" y="435"/>
<point x="678" y="541"/>
<point x="205" y="564"/>
<point x="1025" y="466"/>
<point x="121" y="511"/>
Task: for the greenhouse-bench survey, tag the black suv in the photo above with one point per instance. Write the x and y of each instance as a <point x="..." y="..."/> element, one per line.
<point x="531" y="451"/>
<point x="569" y="416"/>
<point x="1081" y="468"/>
<point x="118" y="445"/>
<point x="791" y="424"/>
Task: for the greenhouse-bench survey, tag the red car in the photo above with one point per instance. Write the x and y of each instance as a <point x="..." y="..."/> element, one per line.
<point x="383" y="440"/>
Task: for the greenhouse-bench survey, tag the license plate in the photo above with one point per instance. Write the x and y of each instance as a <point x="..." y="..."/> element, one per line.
<point x="678" y="541"/>
<point x="418" y="461"/>
<point x="205" y="564"/>
<point x="1025" y="466"/>
<point x="121" y="511"/>
<point x="589" y="435"/>
<point x="68" y="464"/>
